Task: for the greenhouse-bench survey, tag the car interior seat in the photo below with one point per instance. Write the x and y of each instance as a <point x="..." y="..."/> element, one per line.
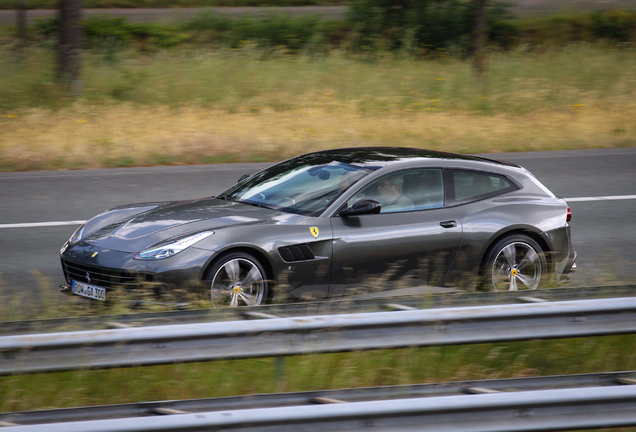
<point x="481" y="185"/>
<point x="424" y="189"/>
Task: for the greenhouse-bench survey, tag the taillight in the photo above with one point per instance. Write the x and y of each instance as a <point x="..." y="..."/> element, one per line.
<point x="569" y="216"/>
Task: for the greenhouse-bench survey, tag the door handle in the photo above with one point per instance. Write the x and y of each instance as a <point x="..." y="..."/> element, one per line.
<point x="448" y="224"/>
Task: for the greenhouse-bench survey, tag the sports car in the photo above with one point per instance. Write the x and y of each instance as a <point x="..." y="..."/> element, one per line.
<point x="323" y="224"/>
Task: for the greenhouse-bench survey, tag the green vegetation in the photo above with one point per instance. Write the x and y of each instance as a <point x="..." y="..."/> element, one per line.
<point x="104" y="4"/>
<point x="366" y="30"/>
<point x="425" y="25"/>
<point x="618" y="26"/>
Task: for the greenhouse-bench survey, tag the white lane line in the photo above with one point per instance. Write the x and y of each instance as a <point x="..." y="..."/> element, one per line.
<point x="601" y="198"/>
<point x="41" y="224"/>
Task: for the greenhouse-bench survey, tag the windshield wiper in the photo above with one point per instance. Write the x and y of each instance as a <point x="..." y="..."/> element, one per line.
<point x="255" y="204"/>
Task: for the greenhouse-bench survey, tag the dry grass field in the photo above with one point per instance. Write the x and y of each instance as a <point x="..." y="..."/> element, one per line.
<point x="127" y="135"/>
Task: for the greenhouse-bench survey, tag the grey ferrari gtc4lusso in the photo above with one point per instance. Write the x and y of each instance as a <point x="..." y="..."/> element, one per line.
<point x="321" y="224"/>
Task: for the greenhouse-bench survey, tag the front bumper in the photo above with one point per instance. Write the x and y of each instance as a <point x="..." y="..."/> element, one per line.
<point x="114" y="270"/>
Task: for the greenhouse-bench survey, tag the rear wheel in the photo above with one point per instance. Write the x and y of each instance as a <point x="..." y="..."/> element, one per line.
<point x="515" y="263"/>
<point x="237" y="279"/>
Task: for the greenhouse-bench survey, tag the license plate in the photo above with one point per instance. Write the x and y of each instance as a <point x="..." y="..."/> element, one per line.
<point x="90" y="291"/>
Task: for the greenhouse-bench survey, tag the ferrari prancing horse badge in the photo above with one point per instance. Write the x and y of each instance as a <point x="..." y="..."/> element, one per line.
<point x="314" y="231"/>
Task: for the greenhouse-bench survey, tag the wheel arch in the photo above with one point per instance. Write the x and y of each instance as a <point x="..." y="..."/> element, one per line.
<point x="528" y="231"/>
<point x="260" y="255"/>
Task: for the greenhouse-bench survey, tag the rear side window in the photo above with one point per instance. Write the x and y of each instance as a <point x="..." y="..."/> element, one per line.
<point x="470" y="186"/>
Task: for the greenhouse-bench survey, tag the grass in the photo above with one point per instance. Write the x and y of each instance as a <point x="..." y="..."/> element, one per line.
<point x="186" y="106"/>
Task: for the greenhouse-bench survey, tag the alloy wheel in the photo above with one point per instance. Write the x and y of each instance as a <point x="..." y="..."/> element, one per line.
<point x="238" y="282"/>
<point x="517" y="266"/>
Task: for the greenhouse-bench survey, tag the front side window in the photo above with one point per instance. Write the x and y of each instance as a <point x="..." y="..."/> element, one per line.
<point x="473" y="185"/>
<point x="406" y="191"/>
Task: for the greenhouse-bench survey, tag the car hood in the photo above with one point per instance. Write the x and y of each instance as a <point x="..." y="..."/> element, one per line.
<point x="174" y="220"/>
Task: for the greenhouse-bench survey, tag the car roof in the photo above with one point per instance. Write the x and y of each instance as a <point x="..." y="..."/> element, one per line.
<point x="380" y="157"/>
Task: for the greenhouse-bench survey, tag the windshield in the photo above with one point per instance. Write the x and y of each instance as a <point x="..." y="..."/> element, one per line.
<point x="296" y="186"/>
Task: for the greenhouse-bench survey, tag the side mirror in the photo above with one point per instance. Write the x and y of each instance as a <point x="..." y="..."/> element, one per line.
<point x="243" y="177"/>
<point x="362" y="207"/>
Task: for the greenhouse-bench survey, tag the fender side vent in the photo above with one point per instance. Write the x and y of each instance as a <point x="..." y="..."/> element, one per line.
<point x="296" y="253"/>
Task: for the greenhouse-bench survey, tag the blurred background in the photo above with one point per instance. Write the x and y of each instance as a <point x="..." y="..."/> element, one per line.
<point x="166" y="86"/>
<point x="110" y="102"/>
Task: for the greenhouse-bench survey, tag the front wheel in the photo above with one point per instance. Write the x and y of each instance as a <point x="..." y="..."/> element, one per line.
<point x="237" y="279"/>
<point x="515" y="263"/>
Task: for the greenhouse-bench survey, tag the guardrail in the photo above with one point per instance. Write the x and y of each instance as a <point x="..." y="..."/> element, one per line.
<point x="314" y="334"/>
<point x="312" y="398"/>
<point x="527" y="404"/>
<point x="417" y="298"/>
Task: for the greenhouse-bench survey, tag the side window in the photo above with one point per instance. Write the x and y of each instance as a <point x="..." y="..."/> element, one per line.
<point x="473" y="185"/>
<point x="406" y="191"/>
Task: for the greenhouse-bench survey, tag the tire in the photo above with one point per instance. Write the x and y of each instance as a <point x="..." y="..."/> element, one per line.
<point x="514" y="263"/>
<point x="237" y="279"/>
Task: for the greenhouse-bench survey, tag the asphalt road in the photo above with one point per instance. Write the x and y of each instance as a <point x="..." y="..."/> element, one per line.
<point x="604" y="231"/>
<point x="522" y="8"/>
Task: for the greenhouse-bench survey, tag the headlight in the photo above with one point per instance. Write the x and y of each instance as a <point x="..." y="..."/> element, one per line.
<point x="166" y="250"/>
<point x="77" y="236"/>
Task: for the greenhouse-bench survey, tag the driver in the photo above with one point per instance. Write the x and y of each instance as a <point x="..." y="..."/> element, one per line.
<point x="390" y="192"/>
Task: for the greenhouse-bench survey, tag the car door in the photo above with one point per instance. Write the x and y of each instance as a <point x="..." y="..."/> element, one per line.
<point x="408" y="244"/>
